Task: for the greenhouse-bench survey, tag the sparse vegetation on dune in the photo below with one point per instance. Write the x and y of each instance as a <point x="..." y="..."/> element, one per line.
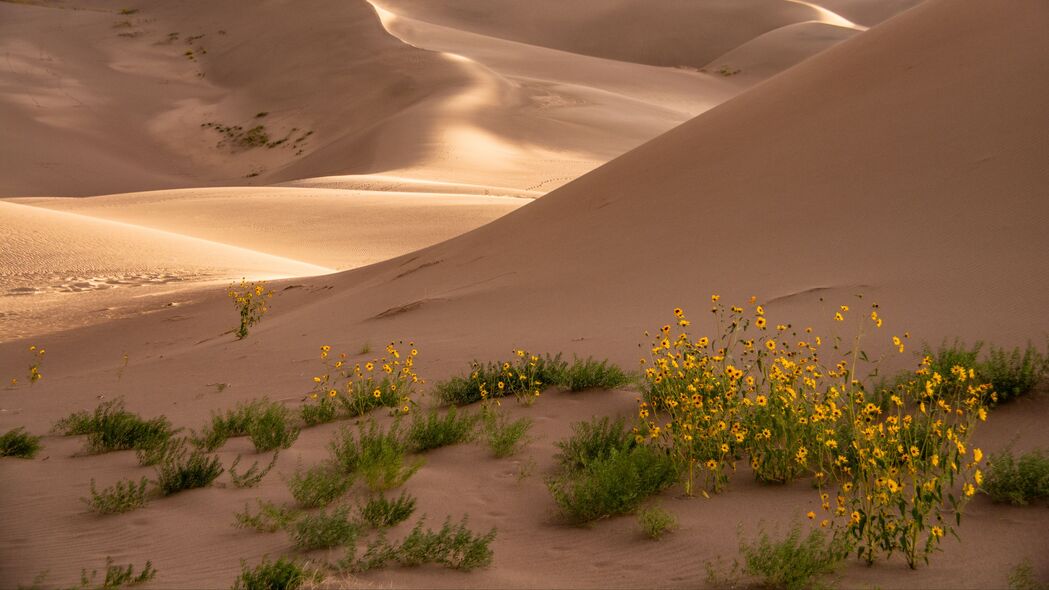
<point x="19" y="443"/>
<point x="112" y="428"/>
<point x="124" y="496"/>
<point x="282" y="574"/>
<point x="184" y="469"/>
<point x="1019" y="481"/>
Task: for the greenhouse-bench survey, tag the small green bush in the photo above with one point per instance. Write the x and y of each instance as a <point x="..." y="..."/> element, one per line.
<point x="269" y="519"/>
<point x="1022" y="577"/>
<point x="616" y="484"/>
<point x="454" y="546"/>
<point x="254" y="475"/>
<point x="793" y="563"/>
<point x="319" y="485"/>
<point x="19" y="443"/>
<point x="113" y="428"/>
<point x="273" y="429"/>
<point x="283" y="574"/>
<point x="324" y="410"/>
<point x="124" y="496"/>
<point x="117" y="576"/>
<point x="655" y="522"/>
<point x="502" y="435"/>
<point x="1013" y="373"/>
<point x="521" y="378"/>
<point x="324" y="530"/>
<point x="592" y="374"/>
<point x="182" y="470"/>
<point x="434" y="430"/>
<point x="593" y="440"/>
<point x="1018" y="482"/>
<point x="382" y="513"/>
<point x="231" y="423"/>
<point x="378" y="455"/>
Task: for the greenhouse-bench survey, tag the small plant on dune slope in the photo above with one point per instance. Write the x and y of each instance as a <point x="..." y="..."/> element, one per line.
<point x="523" y="377"/>
<point x="380" y="456"/>
<point x="272" y="429"/>
<point x="270" y="517"/>
<point x="19" y="443"/>
<point x="594" y="440"/>
<point x="124" y="496"/>
<point x="116" y="576"/>
<point x="794" y="562"/>
<point x="319" y="485"/>
<point x="182" y="469"/>
<point x="380" y="512"/>
<point x="1017" y="482"/>
<point x="1022" y="577"/>
<point x="112" y="428"/>
<point x="502" y="435"/>
<point x="354" y="390"/>
<point x="250" y="299"/>
<point x="767" y="392"/>
<point x="592" y="374"/>
<point x="36" y="360"/>
<point x="323" y="530"/>
<point x="434" y="430"/>
<point x="282" y="574"/>
<point x="655" y="522"/>
<point x="231" y="423"/>
<point x="254" y="475"/>
<point x="454" y="546"/>
<point x="1014" y="373"/>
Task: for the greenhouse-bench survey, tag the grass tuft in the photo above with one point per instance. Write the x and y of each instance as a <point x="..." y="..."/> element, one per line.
<point x="19" y="443"/>
<point x="254" y="475"/>
<point x="592" y="374"/>
<point x="319" y="485"/>
<point x="124" y="496"/>
<point x="1017" y="481"/>
<point x="594" y="440"/>
<point x="655" y="522"/>
<point x="380" y="456"/>
<point x="112" y="428"/>
<point x="433" y="430"/>
<point x="502" y="435"/>
<point x="270" y="517"/>
<point x="454" y="546"/>
<point x="283" y="574"/>
<point x="117" y="576"/>
<point x="793" y="563"/>
<point x="272" y="428"/>
<point x="324" y="530"/>
<point x="185" y="470"/>
<point x="382" y="513"/>
<point x="231" y="423"/>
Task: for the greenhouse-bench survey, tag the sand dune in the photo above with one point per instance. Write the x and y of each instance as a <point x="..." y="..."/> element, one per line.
<point x="878" y="167"/>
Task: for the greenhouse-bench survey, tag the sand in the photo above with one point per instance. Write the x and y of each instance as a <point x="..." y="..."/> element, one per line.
<point x="902" y="163"/>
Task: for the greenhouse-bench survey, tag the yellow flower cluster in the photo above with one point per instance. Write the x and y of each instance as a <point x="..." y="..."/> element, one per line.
<point x="520" y="378"/>
<point x="250" y="301"/>
<point x="389" y="381"/>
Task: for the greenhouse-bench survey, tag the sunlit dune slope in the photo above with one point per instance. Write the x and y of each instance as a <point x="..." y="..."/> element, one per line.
<point x="878" y="167"/>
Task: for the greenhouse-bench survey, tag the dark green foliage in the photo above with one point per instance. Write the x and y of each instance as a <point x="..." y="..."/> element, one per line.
<point x="184" y="470"/>
<point x="378" y="455"/>
<point x="124" y="496"/>
<point x="432" y="430"/>
<point x="381" y="513"/>
<point x="594" y="440"/>
<point x="324" y="530"/>
<point x="231" y="423"/>
<point x="1018" y="482"/>
<point x="1013" y="373"/>
<point x="454" y="546"/>
<point x="269" y="519"/>
<point x="319" y="485"/>
<point x="793" y="563"/>
<point x="616" y="484"/>
<point x="325" y="410"/>
<point x="591" y="374"/>
<point x="113" y="428"/>
<point x="521" y="378"/>
<point x="19" y="443"/>
<point x="254" y="475"/>
<point x="283" y="574"/>
<point x="272" y="428"/>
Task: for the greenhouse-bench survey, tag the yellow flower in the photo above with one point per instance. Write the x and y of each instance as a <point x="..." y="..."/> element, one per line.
<point x="377" y="394"/>
<point x="678" y="312"/>
<point x="770" y="344"/>
<point x="855" y="517"/>
<point x="368" y="366"/>
<point x="937" y="532"/>
<point x="332" y="393"/>
<point x="839" y="317"/>
<point x="844" y="308"/>
<point x="811" y="515"/>
<point x="760" y="310"/>
<point x="712" y="464"/>
<point x="977" y="455"/>
<point x="761" y="323"/>
<point x="714" y="298"/>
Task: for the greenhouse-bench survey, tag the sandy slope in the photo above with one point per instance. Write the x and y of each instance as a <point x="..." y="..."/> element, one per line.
<point x="878" y="167"/>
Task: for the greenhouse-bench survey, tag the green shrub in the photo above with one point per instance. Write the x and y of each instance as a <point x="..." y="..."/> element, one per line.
<point x="319" y="485"/>
<point x="19" y="443"/>
<point x="272" y="429"/>
<point x="325" y="410"/>
<point x="1013" y="373"/>
<point x="382" y="513"/>
<point x="324" y="530"/>
<point x="794" y="562"/>
<point x="1022" y="577"/>
<point x="231" y="423"/>
<point x="117" y="576"/>
<point x="594" y="440"/>
<point x="616" y="484"/>
<point x="283" y="574"/>
<point x="254" y="475"/>
<point x="1015" y="481"/>
<point x="269" y="519"/>
<point x="182" y="470"/>
<point x="113" y="428"/>
<point x="378" y="455"/>
<point x="504" y="436"/>
<point x="434" y="430"/>
<point x="523" y="378"/>
<point x="655" y="522"/>
<point x="124" y="496"/>
<point x="454" y="546"/>
<point x="591" y="374"/>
